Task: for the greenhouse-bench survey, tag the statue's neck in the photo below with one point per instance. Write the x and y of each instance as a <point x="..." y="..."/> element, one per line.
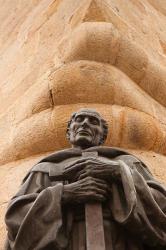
<point x="82" y="147"/>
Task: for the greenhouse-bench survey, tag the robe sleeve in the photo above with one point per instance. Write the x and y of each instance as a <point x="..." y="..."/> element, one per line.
<point x="139" y="204"/>
<point x="34" y="217"/>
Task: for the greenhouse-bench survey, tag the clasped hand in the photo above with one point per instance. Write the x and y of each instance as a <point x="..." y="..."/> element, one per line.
<point x="90" y="180"/>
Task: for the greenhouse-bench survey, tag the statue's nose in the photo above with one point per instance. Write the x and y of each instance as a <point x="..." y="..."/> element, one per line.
<point x="85" y="122"/>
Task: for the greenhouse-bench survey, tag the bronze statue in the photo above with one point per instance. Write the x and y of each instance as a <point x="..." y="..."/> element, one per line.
<point x="48" y="212"/>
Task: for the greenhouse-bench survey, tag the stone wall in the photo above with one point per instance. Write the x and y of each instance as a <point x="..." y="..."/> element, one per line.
<point x="59" y="55"/>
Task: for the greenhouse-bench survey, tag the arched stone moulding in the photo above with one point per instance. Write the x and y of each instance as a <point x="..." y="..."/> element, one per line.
<point x="78" y="82"/>
<point x="102" y="42"/>
<point x="95" y="82"/>
<point x="128" y="128"/>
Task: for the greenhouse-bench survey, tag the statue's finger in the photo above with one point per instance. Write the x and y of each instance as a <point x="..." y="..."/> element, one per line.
<point x="79" y="173"/>
<point x="102" y="186"/>
<point x="75" y="167"/>
<point x="82" y="176"/>
<point x="95" y="173"/>
<point x="86" y="173"/>
<point x="82" y="160"/>
<point x="97" y="190"/>
<point x="94" y="162"/>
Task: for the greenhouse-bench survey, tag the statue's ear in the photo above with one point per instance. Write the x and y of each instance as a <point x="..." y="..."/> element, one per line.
<point x="68" y="134"/>
<point x="105" y="131"/>
<point x="68" y="126"/>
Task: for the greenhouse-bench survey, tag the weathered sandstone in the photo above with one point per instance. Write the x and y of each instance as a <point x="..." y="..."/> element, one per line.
<point x="60" y="55"/>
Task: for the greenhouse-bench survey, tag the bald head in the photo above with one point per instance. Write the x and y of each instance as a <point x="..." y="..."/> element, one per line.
<point x="86" y="128"/>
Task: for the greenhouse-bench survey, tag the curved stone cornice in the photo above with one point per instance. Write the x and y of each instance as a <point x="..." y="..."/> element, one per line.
<point x="102" y="42"/>
<point x="128" y="128"/>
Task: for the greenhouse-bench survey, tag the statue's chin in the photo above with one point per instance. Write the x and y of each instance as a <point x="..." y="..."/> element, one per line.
<point x="84" y="141"/>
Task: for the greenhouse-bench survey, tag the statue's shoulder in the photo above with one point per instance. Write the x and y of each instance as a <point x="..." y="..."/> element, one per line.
<point x="132" y="161"/>
<point x="61" y="155"/>
<point x="52" y="164"/>
<point x="116" y="153"/>
<point x="120" y="154"/>
<point x="128" y="159"/>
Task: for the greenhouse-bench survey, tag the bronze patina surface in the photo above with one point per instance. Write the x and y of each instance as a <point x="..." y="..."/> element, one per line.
<point x="48" y="212"/>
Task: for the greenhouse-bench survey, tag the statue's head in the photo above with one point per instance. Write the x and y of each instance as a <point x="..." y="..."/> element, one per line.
<point x="86" y="128"/>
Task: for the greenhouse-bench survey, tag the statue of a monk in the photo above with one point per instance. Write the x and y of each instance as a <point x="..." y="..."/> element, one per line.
<point x="48" y="212"/>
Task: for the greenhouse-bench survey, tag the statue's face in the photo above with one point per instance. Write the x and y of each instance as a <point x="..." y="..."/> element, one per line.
<point x="86" y="130"/>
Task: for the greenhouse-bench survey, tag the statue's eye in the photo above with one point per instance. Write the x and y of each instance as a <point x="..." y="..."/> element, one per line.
<point x="79" y="119"/>
<point x="94" y="121"/>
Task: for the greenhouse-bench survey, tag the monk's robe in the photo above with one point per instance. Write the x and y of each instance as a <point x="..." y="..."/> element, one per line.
<point x="134" y="216"/>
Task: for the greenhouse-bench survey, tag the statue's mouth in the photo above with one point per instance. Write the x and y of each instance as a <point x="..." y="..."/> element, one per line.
<point x="84" y="132"/>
